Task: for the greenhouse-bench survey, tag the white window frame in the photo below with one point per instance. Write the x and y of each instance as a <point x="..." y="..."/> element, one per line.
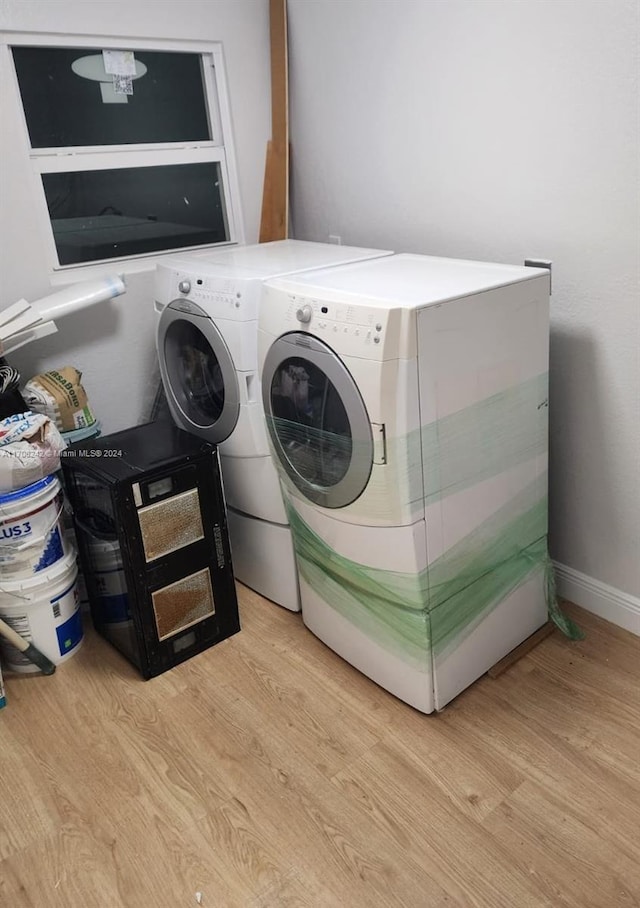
<point x="220" y="149"/>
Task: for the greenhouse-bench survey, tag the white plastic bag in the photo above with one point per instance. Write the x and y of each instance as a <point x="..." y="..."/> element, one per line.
<point x="30" y="447"/>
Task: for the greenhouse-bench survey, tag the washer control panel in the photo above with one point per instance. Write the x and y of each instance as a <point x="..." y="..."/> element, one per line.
<point x="213" y="293"/>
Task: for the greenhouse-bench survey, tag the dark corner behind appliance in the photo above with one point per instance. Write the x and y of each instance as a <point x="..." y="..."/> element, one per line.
<point x="151" y="526"/>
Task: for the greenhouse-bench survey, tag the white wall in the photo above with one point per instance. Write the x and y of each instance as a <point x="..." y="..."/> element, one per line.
<point x="113" y="345"/>
<point x="499" y="130"/>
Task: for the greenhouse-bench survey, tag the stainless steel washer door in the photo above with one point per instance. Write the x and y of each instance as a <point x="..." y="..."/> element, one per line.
<point x="317" y="420"/>
<point x="198" y="374"/>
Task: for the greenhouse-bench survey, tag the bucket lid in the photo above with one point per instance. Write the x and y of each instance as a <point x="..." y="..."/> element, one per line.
<point x="49" y="575"/>
<point x="38" y="486"/>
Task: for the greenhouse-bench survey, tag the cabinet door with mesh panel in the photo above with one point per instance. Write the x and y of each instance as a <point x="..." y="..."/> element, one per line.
<point x="183" y="603"/>
<point x="171" y="524"/>
<point x="181" y="554"/>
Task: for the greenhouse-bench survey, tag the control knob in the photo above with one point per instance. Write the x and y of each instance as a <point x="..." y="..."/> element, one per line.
<point x="184" y="286"/>
<point x="304" y="314"/>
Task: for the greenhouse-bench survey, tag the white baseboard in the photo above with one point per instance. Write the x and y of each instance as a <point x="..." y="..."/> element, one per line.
<point x="603" y="600"/>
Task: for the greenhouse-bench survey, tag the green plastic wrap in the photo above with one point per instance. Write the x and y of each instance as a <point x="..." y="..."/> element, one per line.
<point x="485" y="439"/>
<point x="433" y="610"/>
<point x="568" y="627"/>
<point x="430" y="463"/>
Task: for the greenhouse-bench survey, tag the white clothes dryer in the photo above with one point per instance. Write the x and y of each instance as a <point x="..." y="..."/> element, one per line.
<point x="207" y="307"/>
<point x="406" y="402"/>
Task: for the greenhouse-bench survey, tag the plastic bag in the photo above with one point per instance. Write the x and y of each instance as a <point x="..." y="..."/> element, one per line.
<point x="30" y="447"/>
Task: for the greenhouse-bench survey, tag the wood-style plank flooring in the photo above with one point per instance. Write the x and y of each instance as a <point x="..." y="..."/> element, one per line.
<point x="268" y="773"/>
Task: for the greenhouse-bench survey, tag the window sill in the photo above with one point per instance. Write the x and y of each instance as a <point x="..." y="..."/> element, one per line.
<point x="75" y="274"/>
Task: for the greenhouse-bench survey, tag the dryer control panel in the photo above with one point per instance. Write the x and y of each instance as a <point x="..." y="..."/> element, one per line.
<point x="356" y="329"/>
<point x="358" y="322"/>
<point x="362" y="327"/>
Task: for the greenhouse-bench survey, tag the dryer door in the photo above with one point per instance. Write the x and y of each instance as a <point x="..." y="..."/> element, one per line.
<point x="317" y="420"/>
<point x="198" y="374"/>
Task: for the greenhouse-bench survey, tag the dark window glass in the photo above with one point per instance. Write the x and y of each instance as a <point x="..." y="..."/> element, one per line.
<point x="311" y="422"/>
<point x="65" y="109"/>
<point x="103" y="214"/>
<point x="194" y="373"/>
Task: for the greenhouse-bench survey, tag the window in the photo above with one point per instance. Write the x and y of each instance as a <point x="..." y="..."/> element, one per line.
<point x="130" y="148"/>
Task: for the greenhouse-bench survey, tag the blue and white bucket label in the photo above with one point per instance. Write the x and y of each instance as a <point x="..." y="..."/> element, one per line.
<point x="47" y="613"/>
<point x="111" y="584"/>
<point x="69" y="633"/>
<point x="53" y="549"/>
<point x="31" y="532"/>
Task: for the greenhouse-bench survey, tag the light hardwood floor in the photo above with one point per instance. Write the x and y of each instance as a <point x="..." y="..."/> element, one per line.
<point x="267" y="773"/>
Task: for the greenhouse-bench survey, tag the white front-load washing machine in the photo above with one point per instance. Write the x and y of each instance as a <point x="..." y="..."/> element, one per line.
<point x="207" y="306"/>
<point x="406" y="401"/>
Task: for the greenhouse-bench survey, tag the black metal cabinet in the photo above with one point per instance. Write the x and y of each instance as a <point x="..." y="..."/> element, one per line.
<point x="151" y="526"/>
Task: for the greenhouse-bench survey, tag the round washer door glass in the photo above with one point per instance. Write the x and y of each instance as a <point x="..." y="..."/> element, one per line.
<point x="198" y="373"/>
<point x="194" y="370"/>
<point x="317" y="420"/>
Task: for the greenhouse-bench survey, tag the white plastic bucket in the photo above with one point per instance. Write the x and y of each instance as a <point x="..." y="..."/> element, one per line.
<point x="31" y="529"/>
<point x="108" y="574"/>
<point x="44" y="609"/>
<point x="71" y="542"/>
